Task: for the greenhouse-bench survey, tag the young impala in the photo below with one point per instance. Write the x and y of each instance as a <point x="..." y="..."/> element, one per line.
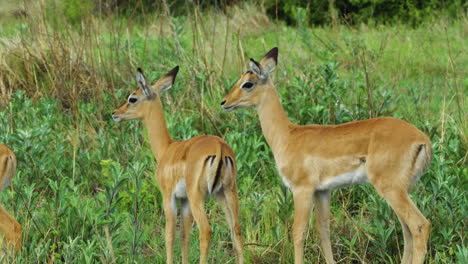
<point x="188" y="170"/>
<point x="9" y="226"/>
<point x="315" y="159"/>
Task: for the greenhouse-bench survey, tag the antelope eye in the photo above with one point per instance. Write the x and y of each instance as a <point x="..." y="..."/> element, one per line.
<point x="132" y="100"/>
<point x="247" y="85"/>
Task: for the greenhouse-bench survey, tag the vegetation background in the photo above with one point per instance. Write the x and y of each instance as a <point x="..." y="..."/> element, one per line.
<point x="84" y="190"/>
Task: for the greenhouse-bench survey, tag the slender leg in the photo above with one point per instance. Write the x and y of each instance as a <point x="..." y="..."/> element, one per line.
<point x="418" y="225"/>
<point x="170" y="212"/>
<point x="408" y="251"/>
<point x="230" y="204"/>
<point x="302" y="207"/>
<point x="197" y="203"/>
<point x="11" y="228"/>
<point x="186" y="226"/>
<point x="322" y="209"/>
<point x="221" y="198"/>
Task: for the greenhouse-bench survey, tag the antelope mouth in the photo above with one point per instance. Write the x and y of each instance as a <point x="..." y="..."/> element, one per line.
<point x="229" y="108"/>
<point x="117" y="118"/>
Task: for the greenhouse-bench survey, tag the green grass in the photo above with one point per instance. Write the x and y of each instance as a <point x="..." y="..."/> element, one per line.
<point x="84" y="190"/>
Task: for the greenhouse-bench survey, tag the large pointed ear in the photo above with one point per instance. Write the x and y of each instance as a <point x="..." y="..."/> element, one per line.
<point x="140" y="77"/>
<point x="166" y="82"/>
<point x="257" y="69"/>
<point x="270" y="60"/>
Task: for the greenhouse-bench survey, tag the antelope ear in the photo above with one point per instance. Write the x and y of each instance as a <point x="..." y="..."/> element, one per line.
<point x="270" y="60"/>
<point x="166" y="82"/>
<point x="257" y="69"/>
<point x="140" y="77"/>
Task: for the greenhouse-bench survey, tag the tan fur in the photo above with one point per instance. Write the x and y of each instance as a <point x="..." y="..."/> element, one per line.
<point x="387" y="152"/>
<point x="8" y="225"/>
<point x="195" y="161"/>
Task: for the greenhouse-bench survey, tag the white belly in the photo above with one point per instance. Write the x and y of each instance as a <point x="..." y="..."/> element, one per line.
<point x="345" y="179"/>
<point x="180" y="189"/>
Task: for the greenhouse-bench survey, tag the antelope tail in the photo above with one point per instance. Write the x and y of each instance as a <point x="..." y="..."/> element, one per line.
<point x="422" y="160"/>
<point x="213" y="167"/>
<point x="7" y="171"/>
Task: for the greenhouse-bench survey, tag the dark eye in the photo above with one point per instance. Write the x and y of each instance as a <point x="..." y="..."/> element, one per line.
<point x="132" y="100"/>
<point x="247" y="85"/>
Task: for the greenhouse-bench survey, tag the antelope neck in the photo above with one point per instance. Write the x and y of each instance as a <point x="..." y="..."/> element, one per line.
<point x="157" y="129"/>
<point x="275" y="124"/>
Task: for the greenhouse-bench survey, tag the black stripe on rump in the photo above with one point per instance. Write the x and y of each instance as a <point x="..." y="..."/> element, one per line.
<point x="211" y="158"/>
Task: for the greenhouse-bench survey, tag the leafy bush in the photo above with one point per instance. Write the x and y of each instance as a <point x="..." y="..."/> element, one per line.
<point x="411" y="12"/>
<point x="76" y="10"/>
<point x="313" y="12"/>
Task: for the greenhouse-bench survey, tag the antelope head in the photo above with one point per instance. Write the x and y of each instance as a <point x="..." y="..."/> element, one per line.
<point x="139" y="100"/>
<point x="249" y="88"/>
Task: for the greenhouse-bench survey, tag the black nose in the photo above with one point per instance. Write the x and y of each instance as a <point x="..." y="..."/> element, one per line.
<point x="223" y="102"/>
<point x="113" y="113"/>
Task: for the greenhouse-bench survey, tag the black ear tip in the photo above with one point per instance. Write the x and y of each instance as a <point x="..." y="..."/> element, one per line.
<point x="255" y="62"/>
<point x="173" y="73"/>
<point x="140" y="72"/>
<point x="273" y="53"/>
<point x="275" y="50"/>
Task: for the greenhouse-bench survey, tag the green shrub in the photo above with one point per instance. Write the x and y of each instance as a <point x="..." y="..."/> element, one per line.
<point x="411" y="12"/>
<point x="76" y="10"/>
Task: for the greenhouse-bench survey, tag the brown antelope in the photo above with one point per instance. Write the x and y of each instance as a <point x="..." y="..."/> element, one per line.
<point x="188" y="170"/>
<point x="313" y="160"/>
<point x="9" y="226"/>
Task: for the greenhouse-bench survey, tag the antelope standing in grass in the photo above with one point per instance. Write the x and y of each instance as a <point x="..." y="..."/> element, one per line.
<point x="188" y="170"/>
<point x="313" y="160"/>
<point x="8" y="225"/>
